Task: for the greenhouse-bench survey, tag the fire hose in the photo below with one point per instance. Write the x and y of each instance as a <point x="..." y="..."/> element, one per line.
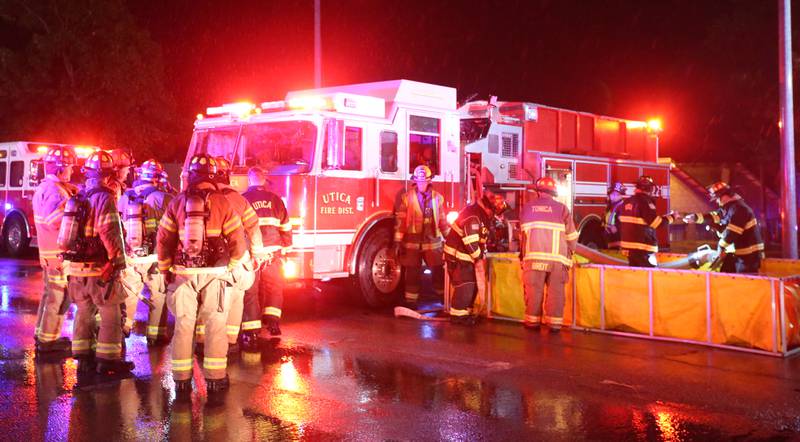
<point x="703" y="255"/>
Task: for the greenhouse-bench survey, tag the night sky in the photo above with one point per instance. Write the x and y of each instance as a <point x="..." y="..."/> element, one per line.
<point x="707" y="68"/>
<point x="683" y="61"/>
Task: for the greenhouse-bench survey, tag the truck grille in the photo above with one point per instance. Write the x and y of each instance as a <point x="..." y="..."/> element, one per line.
<point x="510" y="145"/>
<point x="513" y="171"/>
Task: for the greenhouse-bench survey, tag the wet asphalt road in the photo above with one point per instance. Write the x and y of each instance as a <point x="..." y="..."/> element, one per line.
<point x="342" y="372"/>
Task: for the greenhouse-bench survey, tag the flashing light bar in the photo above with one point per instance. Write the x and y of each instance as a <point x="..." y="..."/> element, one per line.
<point x="84" y="151"/>
<point x="309" y="102"/>
<point x="80" y="151"/>
<point x="240" y="109"/>
<point x="273" y="105"/>
<point x="653" y="125"/>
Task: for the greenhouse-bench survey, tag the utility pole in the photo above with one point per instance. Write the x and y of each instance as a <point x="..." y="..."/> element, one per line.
<point x="317" y="47"/>
<point x="788" y="190"/>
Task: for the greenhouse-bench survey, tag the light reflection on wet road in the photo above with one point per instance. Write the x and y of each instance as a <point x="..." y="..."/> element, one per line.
<point x="342" y="372"/>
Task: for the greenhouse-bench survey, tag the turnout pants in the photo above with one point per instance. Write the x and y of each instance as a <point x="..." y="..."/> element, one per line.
<point x="741" y="263"/>
<point x="199" y="293"/>
<point x="463" y="281"/>
<point x="243" y="277"/>
<point x="265" y="297"/>
<point x="137" y="277"/>
<point x="90" y="298"/>
<point x="412" y="265"/>
<point x="544" y="306"/>
<point x="54" y="302"/>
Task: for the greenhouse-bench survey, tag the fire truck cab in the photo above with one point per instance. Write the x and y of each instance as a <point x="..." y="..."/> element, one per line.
<point x="20" y="172"/>
<point x="517" y="142"/>
<point x="339" y="158"/>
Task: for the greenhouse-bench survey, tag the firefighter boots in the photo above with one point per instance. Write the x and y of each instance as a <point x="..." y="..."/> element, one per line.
<point x="273" y="325"/>
<point x="116" y="367"/>
<point x="58" y="346"/>
<point x="217" y="385"/>
<point x="86" y="364"/>
<point x="250" y="340"/>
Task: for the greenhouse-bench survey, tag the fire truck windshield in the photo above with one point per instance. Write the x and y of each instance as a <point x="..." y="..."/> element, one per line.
<point x="474" y="129"/>
<point x="282" y="147"/>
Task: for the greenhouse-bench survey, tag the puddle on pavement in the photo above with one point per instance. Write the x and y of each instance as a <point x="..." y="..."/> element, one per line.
<point x="298" y="393"/>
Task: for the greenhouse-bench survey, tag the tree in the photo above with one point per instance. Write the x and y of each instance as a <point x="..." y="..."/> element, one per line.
<point x="83" y="72"/>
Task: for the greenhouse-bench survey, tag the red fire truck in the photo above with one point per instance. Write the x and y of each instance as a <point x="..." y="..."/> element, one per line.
<point x="20" y="172"/>
<point x="340" y="156"/>
<point x="517" y="142"/>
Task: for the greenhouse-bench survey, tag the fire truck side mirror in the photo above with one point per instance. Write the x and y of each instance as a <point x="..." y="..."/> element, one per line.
<point x="36" y="173"/>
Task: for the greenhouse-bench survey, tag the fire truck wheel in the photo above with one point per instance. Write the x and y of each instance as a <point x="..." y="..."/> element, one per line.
<point x="16" y="240"/>
<point x="378" y="274"/>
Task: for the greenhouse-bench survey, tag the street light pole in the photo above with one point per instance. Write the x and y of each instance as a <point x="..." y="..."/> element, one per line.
<point x="317" y="47"/>
<point x="788" y="194"/>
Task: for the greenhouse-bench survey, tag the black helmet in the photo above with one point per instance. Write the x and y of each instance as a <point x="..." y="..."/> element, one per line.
<point x="718" y="190"/>
<point x="646" y="184"/>
<point x="202" y="166"/>
<point x="495" y="202"/>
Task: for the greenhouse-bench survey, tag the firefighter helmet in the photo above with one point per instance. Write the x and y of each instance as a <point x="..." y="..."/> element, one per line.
<point x="422" y="173"/>
<point x="151" y="170"/>
<point x="619" y="188"/>
<point x="60" y="156"/>
<point x="223" y="170"/>
<point x="547" y="185"/>
<point x="99" y="165"/>
<point x="202" y="166"/>
<point x="646" y="184"/>
<point x="718" y="190"/>
<point x="494" y="201"/>
<point x="122" y="158"/>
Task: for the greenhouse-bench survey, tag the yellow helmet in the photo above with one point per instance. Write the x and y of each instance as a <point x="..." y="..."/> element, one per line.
<point x="422" y="173"/>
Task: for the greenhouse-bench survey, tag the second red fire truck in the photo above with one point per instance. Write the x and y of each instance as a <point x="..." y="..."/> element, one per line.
<point x="340" y="156"/>
<point x="20" y="172"/>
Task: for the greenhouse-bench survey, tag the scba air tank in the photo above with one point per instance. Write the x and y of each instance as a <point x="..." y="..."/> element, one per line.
<point x="134" y="224"/>
<point x="68" y="231"/>
<point x="194" y="225"/>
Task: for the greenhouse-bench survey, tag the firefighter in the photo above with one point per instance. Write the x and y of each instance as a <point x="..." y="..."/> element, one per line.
<point x="548" y="242"/>
<point x="264" y="300"/>
<point x="165" y="185"/>
<point x="253" y="237"/>
<point x="740" y="243"/>
<point x="141" y="207"/>
<point x="419" y="233"/>
<point x="200" y="241"/>
<point x="92" y="233"/>
<point x="616" y="194"/>
<point x="48" y="209"/>
<point x="122" y="167"/>
<point x="638" y="224"/>
<point x="464" y="248"/>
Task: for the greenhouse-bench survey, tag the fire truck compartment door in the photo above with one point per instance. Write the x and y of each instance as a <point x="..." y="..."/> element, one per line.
<point x="345" y="193"/>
